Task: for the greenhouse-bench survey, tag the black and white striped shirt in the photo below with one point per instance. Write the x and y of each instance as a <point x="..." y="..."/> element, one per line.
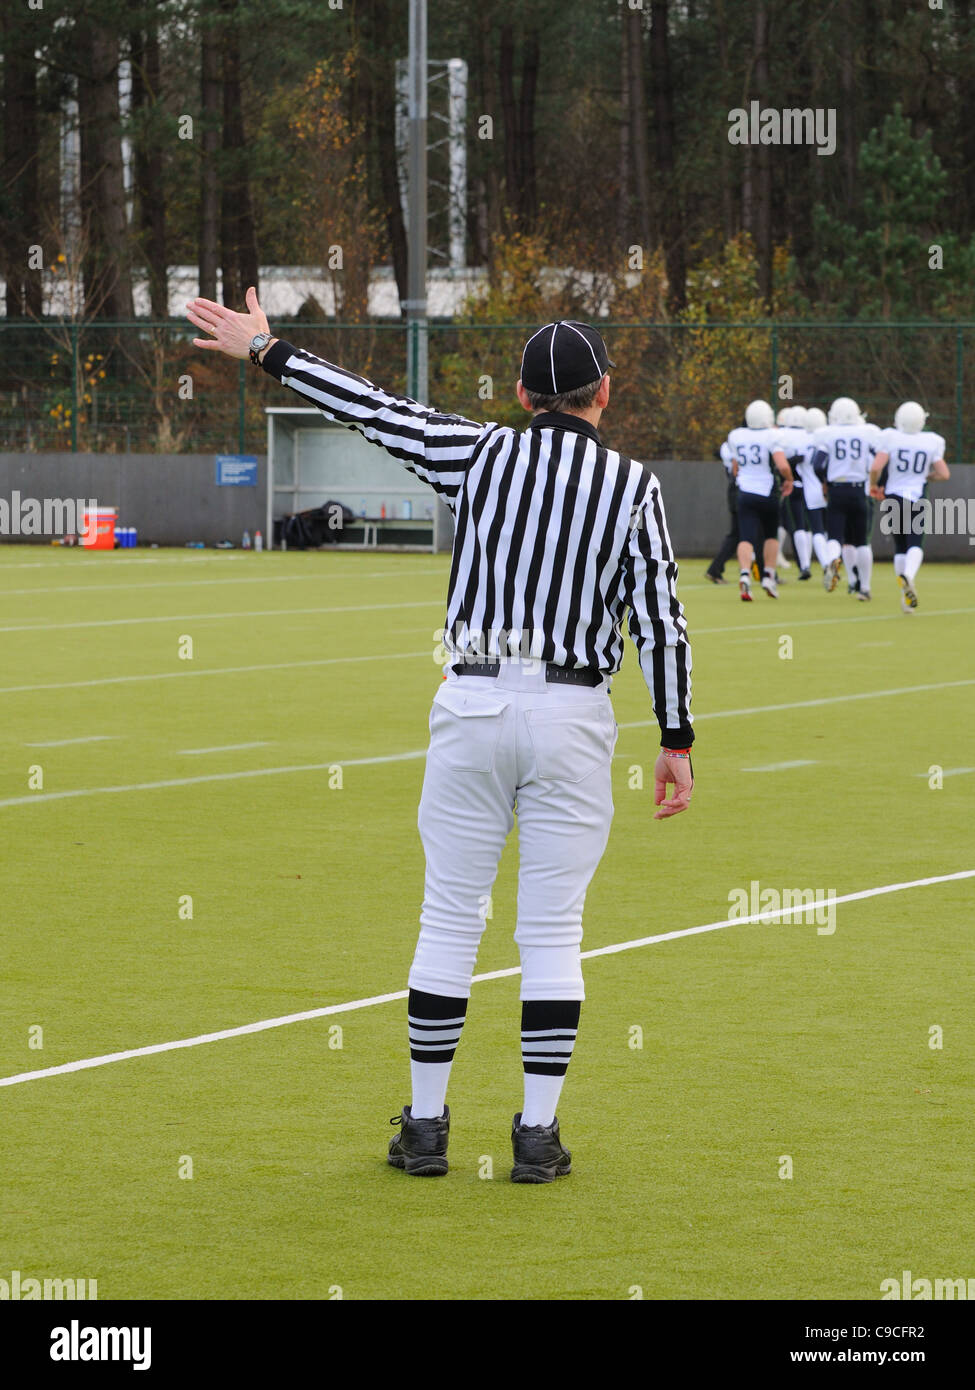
<point x="557" y="538"/>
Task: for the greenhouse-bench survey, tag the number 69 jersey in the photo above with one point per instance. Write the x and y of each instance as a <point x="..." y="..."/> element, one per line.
<point x="910" y="459"/>
<point x="849" y="451"/>
<point x="753" y="450"/>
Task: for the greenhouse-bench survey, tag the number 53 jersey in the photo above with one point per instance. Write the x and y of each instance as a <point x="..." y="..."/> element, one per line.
<point x="910" y="460"/>
<point x="849" y="451"/>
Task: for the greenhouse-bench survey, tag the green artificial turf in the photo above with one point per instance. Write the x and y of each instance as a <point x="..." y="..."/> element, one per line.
<point x="759" y="1041"/>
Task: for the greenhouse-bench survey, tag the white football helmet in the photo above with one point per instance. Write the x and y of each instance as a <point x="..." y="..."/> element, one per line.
<point x="783" y="416"/>
<point x="910" y="417"/>
<point x="798" y="418"/>
<point x="759" y="416"/>
<point x="815" y="418"/>
<point x="844" y="411"/>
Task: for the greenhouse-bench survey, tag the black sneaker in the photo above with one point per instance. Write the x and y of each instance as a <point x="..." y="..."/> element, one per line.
<point x="421" y="1145"/>
<point x="540" y="1155"/>
<point x="805" y="574"/>
<point x="715" y="578"/>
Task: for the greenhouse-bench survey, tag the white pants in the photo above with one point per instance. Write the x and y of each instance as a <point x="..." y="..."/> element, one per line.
<point x="497" y="745"/>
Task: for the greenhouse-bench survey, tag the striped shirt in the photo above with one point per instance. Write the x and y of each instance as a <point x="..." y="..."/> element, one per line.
<point x="557" y="538"/>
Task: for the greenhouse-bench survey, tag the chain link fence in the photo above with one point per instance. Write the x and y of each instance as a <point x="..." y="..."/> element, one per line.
<point x="677" y="388"/>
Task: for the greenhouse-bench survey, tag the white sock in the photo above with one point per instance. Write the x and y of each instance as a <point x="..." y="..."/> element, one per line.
<point x="541" y="1097"/>
<point x="803" y="542"/>
<point x="429" y="1089"/>
<point x="912" y="563"/>
<point x="849" y="559"/>
<point x="864" y="567"/>
<point x="821" y="547"/>
<point x="832" y="551"/>
<point x="899" y="563"/>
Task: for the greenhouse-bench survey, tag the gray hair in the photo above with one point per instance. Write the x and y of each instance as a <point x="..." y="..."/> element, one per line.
<point x="579" y="399"/>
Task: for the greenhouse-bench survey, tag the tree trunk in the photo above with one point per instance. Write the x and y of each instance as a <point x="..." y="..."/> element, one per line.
<point x="623" y="210"/>
<point x="763" y="163"/>
<point x="528" y="200"/>
<point x="211" y="107"/>
<point x="20" y="227"/>
<point x="383" y="84"/>
<point x="848" y="128"/>
<point x="106" y="271"/>
<point x="506" y="82"/>
<point x="727" y="191"/>
<point x="638" y="126"/>
<point x="238" y="241"/>
<point x="672" y="222"/>
<point x="144" y="51"/>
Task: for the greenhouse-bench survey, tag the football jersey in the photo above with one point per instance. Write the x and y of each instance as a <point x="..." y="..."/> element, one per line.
<point x="753" y="450"/>
<point x="911" y="459"/>
<point x="808" y="478"/>
<point x="726" y="457"/>
<point x="849" y="449"/>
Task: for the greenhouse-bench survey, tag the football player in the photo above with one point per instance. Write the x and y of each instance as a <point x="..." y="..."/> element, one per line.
<point x="845" y="449"/>
<point x="812" y="538"/>
<point x="907" y="457"/>
<point x="757" y="451"/>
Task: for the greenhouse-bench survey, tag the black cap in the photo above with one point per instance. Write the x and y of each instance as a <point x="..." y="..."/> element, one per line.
<point x="562" y="357"/>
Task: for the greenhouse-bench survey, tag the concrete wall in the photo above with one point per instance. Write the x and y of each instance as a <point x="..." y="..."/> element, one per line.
<point x="173" y="498"/>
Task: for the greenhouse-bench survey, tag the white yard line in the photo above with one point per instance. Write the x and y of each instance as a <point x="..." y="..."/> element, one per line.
<point x="421" y="752"/>
<point x="782" y="767"/>
<point x="223" y="748"/>
<point x="263" y="1025"/>
<point x="63" y="742"/>
<point x="238" y="579"/>
<point x="948" y="772"/>
<point x="187" y="618"/>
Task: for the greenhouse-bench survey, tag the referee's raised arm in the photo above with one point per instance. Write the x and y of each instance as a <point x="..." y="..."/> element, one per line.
<point x="436" y="448"/>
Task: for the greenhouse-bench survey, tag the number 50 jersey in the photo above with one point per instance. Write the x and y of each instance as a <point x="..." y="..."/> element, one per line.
<point x="911" y="457"/>
<point x="849" y="451"/>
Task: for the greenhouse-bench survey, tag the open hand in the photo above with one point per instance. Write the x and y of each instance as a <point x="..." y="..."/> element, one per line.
<point x="230" y="332"/>
<point x="672" y="770"/>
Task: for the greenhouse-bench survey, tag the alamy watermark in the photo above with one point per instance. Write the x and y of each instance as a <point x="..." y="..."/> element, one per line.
<point x="928" y="516"/>
<point x="48" y="516"/>
<point x="921" y="1290"/>
<point x="791" y="126"/>
<point x="21" y="1287"/>
<point x="812" y="906"/>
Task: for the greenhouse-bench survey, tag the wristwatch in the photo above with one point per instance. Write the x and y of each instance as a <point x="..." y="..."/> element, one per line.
<point x="258" y="343"/>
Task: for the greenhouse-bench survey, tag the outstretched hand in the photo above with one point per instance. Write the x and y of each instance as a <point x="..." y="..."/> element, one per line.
<point x="230" y="332"/>
<point x="669" y="770"/>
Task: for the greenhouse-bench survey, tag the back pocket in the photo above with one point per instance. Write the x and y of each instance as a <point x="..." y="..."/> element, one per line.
<point x="465" y="728"/>
<point x="571" y="741"/>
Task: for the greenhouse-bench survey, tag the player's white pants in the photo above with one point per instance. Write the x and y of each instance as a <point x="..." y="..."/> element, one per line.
<point x="499" y="744"/>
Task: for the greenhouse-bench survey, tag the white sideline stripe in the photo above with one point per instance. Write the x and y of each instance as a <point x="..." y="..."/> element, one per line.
<point x="213" y="777"/>
<point x="195" y="583"/>
<point x="63" y="742"/>
<point x="223" y="748"/>
<point x="263" y="1025"/>
<point x="781" y="767"/>
<point x="186" y="618"/>
<point x="421" y="752"/>
<point x="786" y="623"/>
<point x="806" y="704"/>
<point x="948" y="772"/>
<point x="213" y="671"/>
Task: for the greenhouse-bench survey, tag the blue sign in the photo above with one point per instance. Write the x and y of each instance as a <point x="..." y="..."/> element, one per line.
<point x="236" y="470"/>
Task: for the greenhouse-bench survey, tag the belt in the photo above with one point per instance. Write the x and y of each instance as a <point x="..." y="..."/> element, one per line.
<point x="554" y="675"/>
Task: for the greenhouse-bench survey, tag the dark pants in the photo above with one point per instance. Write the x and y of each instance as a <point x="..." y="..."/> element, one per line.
<point x="730" y="543"/>
<point x="847" y="514"/>
<point x="758" y="520"/>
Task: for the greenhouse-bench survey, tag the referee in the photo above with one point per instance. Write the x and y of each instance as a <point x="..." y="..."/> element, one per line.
<point x="557" y="540"/>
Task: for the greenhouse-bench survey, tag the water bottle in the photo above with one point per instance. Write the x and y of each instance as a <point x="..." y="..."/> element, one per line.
<point x="362" y="507"/>
<point x="258" y="541"/>
<point x="245" y="543"/>
<point x="407" y="510"/>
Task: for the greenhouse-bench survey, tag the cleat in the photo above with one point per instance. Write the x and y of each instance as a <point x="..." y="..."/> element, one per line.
<point x="784" y="564"/>
<point x="863" y="595"/>
<point x="805" y="574"/>
<point x="745" y="589"/>
<point x="831" y="576"/>
<point x="770" y="586"/>
<point x="420" y="1148"/>
<point x="908" y="596"/>
<point x="540" y="1155"/>
<point x="715" y="578"/>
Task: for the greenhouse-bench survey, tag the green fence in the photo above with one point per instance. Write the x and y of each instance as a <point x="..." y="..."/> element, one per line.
<point x="677" y="388"/>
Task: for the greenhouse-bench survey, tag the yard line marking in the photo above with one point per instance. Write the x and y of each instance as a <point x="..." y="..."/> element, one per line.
<point x="213" y="671"/>
<point x="421" y="752"/>
<point x="948" y="772"/>
<point x="806" y="704"/>
<point x="787" y="621"/>
<point x="219" y="617"/>
<point x="263" y="1025"/>
<point x="781" y="767"/>
<point x="223" y="748"/>
<point x="214" y="777"/>
<point x="195" y="583"/>
<point x="63" y="742"/>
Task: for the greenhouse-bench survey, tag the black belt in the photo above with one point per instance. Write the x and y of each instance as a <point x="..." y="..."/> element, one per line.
<point x="554" y="675"/>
